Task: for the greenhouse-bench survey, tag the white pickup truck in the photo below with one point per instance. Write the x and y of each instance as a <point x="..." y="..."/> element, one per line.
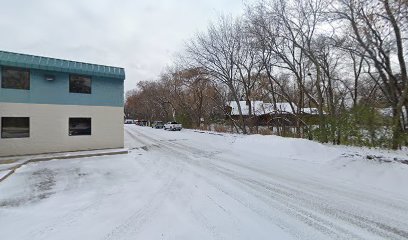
<point x="173" y="126"/>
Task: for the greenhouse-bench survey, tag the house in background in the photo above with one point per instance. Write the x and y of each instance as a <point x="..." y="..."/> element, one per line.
<point x="270" y="114"/>
<point x="54" y="105"/>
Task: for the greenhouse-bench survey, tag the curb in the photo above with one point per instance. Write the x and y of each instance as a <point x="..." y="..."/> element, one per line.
<point x="44" y="159"/>
<point x="11" y="171"/>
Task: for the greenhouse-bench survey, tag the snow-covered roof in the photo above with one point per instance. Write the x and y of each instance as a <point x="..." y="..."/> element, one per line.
<point x="387" y="112"/>
<point x="255" y="105"/>
<point x="261" y="108"/>
<point x="279" y="107"/>
<point x="312" y="111"/>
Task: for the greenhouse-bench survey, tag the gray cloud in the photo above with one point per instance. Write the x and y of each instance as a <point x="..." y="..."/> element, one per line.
<point x="140" y="35"/>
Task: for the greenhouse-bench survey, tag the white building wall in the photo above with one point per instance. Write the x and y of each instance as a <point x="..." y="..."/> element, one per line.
<point x="49" y="128"/>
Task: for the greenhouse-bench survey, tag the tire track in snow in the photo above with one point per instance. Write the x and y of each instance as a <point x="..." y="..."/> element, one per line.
<point x="396" y="205"/>
<point x="322" y="215"/>
<point x="301" y="210"/>
<point x="206" y="223"/>
<point x="302" y="206"/>
<point x="72" y="181"/>
<point x="133" y="224"/>
<point x="315" y="183"/>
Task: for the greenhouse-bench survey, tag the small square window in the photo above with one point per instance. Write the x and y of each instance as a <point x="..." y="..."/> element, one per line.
<point x="80" y="126"/>
<point x="15" y="78"/>
<point x="80" y="84"/>
<point x="15" y="127"/>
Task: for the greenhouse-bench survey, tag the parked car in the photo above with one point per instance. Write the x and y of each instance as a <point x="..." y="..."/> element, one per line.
<point x="173" y="126"/>
<point x="157" y="124"/>
<point x="141" y="122"/>
<point x="129" y="121"/>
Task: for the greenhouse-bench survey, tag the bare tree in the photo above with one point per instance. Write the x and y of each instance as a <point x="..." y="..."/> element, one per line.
<point x="330" y="55"/>
<point x="214" y="52"/>
<point x="379" y="28"/>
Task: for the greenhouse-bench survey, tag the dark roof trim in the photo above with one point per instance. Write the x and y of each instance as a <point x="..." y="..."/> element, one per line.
<point x="59" y="65"/>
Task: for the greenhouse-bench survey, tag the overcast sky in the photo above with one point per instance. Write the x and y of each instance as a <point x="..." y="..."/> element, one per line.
<point x="140" y="35"/>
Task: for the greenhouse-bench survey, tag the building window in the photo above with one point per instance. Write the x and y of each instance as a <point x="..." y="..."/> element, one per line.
<point x="15" y="127"/>
<point x="79" y="126"/>
<point x="15" y="78"/>
<point x="80" y="84"/>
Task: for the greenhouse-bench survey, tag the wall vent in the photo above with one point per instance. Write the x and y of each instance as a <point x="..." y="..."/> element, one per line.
<point x="49" y="77"/>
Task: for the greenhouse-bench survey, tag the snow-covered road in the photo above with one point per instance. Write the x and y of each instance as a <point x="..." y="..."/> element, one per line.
<point x="200" y="185"/>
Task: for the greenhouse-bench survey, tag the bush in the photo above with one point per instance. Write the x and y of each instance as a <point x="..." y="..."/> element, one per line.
<point x="221" y="128"/>
<point x="265" y="131"/>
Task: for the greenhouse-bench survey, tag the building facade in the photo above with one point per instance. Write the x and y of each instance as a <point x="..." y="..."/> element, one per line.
<point x="54" y="105"/>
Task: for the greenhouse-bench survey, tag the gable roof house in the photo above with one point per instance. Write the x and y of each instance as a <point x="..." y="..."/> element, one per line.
<point x="55" y="105"/>
<point x="270" y="114"/>
<point x="260" y="108"/>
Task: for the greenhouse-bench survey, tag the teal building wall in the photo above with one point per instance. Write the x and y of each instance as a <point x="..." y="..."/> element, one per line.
<point x="105" y="91"/>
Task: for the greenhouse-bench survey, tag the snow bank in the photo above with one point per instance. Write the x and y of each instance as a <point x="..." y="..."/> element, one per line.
<point x="372" y="168"/>
<point x="379" y="168"/>
<point x="280" y="147"/>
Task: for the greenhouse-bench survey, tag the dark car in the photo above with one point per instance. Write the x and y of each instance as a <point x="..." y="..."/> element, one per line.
<point x="157" y="124"/>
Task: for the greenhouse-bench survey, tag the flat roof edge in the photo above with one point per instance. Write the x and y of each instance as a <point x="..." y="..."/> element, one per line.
<point x="59" y="65"/>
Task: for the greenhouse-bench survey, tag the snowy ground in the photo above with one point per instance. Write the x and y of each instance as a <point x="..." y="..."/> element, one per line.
<point x="200" y="185"/>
